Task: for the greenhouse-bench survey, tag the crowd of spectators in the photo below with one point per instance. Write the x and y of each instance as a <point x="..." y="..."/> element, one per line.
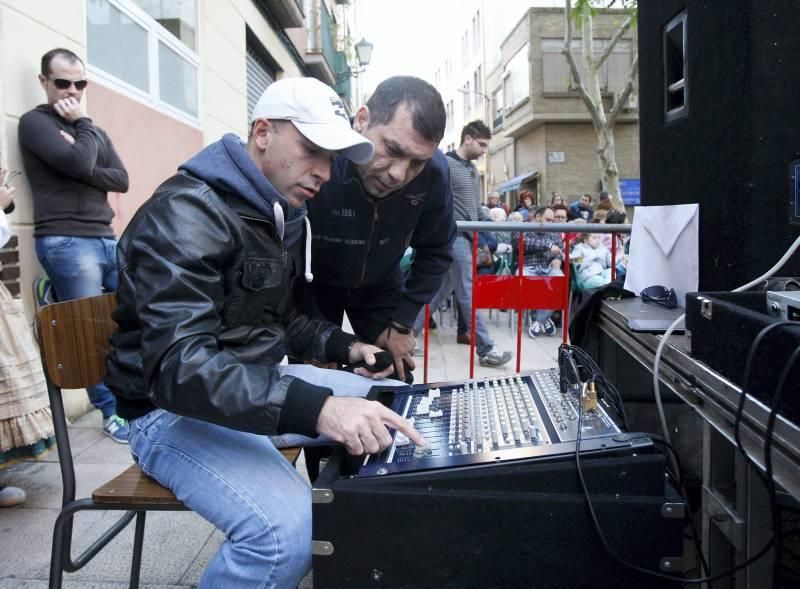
<point x="543" y="251"/>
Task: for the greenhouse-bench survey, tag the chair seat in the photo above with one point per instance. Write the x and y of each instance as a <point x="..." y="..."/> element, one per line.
<point x="134" y="487"/>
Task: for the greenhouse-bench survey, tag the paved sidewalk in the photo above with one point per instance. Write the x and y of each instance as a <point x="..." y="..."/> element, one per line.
<point x="177" y="545"/>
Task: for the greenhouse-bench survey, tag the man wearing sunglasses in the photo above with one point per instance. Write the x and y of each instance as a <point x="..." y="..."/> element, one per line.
<point x="71" y="165"/>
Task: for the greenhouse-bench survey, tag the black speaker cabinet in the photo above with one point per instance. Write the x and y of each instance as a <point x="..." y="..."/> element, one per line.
<point x="720" y="125"/>
<point x="511" y="524"/>
<point x="723" y="327"/>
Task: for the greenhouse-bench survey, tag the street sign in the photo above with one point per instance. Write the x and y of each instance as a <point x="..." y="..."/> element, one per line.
<point x="631" y="191"/>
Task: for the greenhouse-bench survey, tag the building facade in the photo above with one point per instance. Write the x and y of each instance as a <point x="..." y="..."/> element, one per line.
<point x="544" y="140"/>
<point x="460" y="74"/>
<point x="166" y="78"/>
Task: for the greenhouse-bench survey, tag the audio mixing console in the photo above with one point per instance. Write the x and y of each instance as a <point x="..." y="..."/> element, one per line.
<point x="493" y="420"/>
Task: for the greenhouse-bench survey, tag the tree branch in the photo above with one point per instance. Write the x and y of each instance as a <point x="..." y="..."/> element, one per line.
<point x="622" y="98"/>
<point x="611" y="44"/>
<point x="583" y="92"/>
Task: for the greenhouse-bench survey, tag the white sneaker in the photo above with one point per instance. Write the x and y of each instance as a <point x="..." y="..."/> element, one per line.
<point x="549" y="327"/>
<point x="494" y="358"/>
<point x="11" y="496"/>
<point x="535" y="329"/>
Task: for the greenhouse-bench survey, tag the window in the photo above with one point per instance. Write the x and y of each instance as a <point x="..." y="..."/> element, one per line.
<point x="146" y="49"/>
<point x="179" y="17"/>
<point x="676" y="83"/>
<point x="477" y="83"/>
<point x="467" y="98"/>
<point x="177" y="80"/>
<point x="517" y="83"/>
<point x="556" y="77"/>
<point x="117" y="44"/>
<point x="476" y="31"/>
<point x="450" y="112"/>
<point x="618" y="65"/>
<point x="497" y="103"/>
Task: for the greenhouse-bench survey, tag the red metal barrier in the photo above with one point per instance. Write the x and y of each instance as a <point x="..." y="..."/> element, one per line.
<point x="517" y="292"/>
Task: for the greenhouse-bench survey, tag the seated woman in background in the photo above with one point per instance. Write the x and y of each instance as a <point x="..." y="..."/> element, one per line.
<point x="525" y="206"/>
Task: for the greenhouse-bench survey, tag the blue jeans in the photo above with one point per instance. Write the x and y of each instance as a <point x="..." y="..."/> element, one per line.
<point x="81" y="267"/>
<point x="241" y="483"/>
<point x="541" y="315"/>
<point x="459" y="279"/>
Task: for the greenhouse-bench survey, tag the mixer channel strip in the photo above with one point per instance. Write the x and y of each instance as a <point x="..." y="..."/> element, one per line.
<point x="480" y="417"/>
<point x="476" y="422"/>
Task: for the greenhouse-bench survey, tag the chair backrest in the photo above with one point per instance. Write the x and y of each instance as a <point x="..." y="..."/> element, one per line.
<point x="73" y="342"/>
<point x="73" y="339"/>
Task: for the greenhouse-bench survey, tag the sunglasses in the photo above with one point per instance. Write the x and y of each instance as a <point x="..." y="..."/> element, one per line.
<point x="63" y="84"/>
<point x="660" y="295"/>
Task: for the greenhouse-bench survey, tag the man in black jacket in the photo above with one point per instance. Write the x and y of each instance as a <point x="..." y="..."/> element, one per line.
<point x="205" y="317"/>
<point x="72" y="166"/>
<point x="368" y="214"/>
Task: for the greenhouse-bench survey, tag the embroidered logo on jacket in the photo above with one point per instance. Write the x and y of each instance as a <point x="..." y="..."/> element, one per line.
<point x="415" y="199"/>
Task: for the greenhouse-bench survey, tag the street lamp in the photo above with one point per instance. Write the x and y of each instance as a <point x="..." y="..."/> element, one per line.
<point x="363" y="55"/>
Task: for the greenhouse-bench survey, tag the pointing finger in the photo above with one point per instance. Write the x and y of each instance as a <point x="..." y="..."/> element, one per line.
<point x="401" y="424"/>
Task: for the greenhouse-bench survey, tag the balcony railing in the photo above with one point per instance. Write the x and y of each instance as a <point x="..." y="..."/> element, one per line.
<point x="322" y="57"/>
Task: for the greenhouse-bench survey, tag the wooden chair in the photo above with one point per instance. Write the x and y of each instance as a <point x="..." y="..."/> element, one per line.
<point x="74" y="342"/>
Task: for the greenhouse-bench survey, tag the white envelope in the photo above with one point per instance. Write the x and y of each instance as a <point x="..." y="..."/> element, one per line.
<point x="664" y="249"/>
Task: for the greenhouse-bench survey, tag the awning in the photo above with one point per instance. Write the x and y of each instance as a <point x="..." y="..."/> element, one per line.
<point x="515" y="182"/>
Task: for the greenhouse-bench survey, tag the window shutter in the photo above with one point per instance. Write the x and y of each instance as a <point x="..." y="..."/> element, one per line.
<point x="259" y="76"/>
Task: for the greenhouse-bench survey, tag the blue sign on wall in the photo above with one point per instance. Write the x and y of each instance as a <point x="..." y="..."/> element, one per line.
<point x="631" y="189"/>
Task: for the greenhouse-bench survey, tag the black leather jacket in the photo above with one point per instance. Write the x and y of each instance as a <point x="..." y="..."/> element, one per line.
<point x="205" y="315"/>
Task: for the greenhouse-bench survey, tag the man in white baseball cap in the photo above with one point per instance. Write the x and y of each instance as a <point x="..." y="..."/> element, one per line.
<point x="205" y="316"/>
<point x="317" y="112"/>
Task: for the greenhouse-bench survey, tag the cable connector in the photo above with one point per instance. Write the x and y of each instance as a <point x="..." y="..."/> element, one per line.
<point x="589" y="397"/>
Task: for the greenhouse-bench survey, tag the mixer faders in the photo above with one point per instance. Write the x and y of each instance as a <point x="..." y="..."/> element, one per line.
<point x="481" y="421"/>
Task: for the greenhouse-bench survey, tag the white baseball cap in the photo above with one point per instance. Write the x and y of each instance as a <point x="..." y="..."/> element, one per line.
<point x="317" y="112"/>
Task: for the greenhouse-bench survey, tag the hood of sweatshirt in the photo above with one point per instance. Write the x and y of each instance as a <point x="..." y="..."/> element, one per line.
<point x="225" y="165"/>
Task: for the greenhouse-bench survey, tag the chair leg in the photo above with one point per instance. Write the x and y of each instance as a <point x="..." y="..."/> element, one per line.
<point x="138" y="542"/>
<point x="59" y="553"/>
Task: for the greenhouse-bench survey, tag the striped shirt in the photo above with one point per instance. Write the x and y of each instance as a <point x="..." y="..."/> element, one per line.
<point x="465" y="182"/>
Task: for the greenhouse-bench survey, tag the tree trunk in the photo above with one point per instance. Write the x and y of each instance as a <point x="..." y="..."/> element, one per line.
<point x="607" y="155"/>
<point x="590" y="91"/>
<point x="606" y="151"/>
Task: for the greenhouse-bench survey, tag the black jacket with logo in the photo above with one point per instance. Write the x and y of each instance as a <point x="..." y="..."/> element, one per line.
<point x="206" y="314"/>
<point x="359" y="240"/>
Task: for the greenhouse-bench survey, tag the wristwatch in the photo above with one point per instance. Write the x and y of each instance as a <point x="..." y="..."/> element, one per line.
<point x="401" y="329"/>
